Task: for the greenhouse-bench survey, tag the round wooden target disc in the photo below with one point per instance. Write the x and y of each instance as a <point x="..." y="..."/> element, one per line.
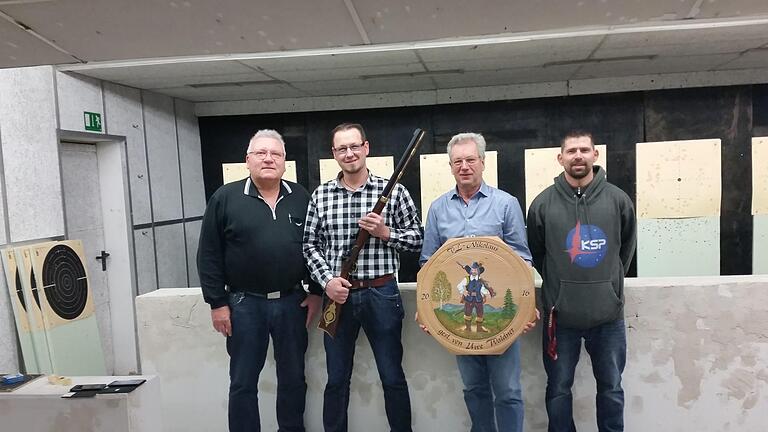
<point x="475" y="295"/>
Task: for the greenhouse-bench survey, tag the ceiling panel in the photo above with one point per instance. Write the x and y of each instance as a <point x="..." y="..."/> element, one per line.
<point x="575" y="47"/>
<point x="118" y="29"/>
<point x="715" y="9"/>
<point x="19" y="48"/>
<point x="695" y="47"/>
<point x="394" y="21"/>
<point x="712" y="34"/>
<point x="749" y="60"/>
<point x="655" y="66"/>
<point x="174" y="70"/>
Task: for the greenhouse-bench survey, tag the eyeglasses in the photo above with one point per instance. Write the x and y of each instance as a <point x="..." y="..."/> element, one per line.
<point x="341" y="151"/>
<point x="262" y="154"/>
<point x="457" y="163"/>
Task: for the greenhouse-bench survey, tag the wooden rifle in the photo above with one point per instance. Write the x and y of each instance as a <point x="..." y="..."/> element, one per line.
<point x="329" y="321"/>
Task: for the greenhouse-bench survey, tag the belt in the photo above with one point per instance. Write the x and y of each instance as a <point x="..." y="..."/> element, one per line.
<point x="368" y="283"/>
<point x="274" y="294"/>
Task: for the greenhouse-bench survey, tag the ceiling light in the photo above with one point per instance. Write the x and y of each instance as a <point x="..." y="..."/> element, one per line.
<point x="413" y="74"/>
<point x="599" y="60"/>
<point x="234" y="84"/>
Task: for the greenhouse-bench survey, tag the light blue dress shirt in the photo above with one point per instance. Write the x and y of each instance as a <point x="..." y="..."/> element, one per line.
<point x="490" y="212"/>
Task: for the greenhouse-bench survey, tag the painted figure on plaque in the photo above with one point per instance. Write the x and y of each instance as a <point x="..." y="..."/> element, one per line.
<point x="473" y="310"/>
<point x="474" y="291"/>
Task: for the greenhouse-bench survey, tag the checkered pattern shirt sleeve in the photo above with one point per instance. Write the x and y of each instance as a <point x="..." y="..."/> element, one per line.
<point x="331" y="228"/>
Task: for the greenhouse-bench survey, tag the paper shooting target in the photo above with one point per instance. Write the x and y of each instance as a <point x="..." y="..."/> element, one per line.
<point x="65" y="282"/>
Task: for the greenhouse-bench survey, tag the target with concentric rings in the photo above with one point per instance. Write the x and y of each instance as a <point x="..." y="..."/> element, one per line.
<point x="65" y="282"/>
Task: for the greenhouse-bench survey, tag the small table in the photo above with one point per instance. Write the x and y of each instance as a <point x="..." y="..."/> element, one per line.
<point x="38" y="407"/>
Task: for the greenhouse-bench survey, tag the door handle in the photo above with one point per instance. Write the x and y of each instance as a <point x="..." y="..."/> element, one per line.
<point x="103" y="259"/>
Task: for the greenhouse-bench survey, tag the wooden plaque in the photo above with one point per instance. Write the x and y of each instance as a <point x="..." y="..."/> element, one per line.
<point x="475" y="295"/>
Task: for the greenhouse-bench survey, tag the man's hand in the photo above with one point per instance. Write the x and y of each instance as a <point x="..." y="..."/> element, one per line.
<point x="337" y="289"/>
<point x="312" y="303"/>
<point x="221" y="322"/>
<point x="530" y="325"/>
<point x="374" y="224"/>
<point x="422" y="326"/>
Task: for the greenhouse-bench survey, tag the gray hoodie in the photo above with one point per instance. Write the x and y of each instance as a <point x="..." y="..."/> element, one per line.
<point x="582" y="242"/>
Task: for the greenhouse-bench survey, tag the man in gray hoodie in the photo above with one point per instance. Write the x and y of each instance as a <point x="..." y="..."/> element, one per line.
<point x="582" y="235"/>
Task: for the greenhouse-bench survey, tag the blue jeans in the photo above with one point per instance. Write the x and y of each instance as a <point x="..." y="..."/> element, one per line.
<point x="254" y="319"/>
<point x="379" y="311"/>
<point x="607" y="348"/>
<point x="492" y="390"/>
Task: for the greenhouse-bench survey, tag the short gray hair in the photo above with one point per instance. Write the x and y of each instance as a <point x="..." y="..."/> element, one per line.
<point x="468" y="136"/>
<point x="266" y="133"/>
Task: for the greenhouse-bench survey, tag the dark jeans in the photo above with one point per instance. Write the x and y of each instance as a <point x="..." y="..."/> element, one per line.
<point x="607" y="348"/>
<point x="379" y="311"/>
<point x="254" y="320"/>
<point x="492" y="390"/>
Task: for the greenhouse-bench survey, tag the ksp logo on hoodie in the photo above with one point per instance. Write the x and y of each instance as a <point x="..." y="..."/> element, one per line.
<point x="586" y="245"/>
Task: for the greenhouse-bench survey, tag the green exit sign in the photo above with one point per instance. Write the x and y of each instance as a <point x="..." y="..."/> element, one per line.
<point x="92" y="121"/>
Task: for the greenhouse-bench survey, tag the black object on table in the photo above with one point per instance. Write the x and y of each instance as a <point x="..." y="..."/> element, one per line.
<point x="7" y="388"/>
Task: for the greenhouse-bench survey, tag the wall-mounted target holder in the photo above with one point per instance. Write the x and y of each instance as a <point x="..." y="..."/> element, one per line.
<point x="18" y="304"/>
<point x="66" y="301"/>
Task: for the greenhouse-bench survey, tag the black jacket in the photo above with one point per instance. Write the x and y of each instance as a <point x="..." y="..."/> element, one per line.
<point x="247" y="247"/>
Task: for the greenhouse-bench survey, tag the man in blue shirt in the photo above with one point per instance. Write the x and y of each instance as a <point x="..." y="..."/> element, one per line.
<point x="475" y="209"/>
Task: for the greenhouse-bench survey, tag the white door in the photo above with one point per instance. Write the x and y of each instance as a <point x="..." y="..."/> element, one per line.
<point x="97" y="210"/>
<point x="84" y="221"/>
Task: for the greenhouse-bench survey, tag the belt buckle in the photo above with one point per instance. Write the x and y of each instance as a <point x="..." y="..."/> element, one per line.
<point x="273" y="295"/>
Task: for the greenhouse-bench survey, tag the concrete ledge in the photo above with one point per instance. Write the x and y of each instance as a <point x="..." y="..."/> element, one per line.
<point x="695" y="362"/>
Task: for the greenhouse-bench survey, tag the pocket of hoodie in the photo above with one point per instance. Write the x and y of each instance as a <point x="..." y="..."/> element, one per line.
<point x="586" y="304"/>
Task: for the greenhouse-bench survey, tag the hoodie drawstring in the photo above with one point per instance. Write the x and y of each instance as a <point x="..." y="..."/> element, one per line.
<point x="552" y="335"/>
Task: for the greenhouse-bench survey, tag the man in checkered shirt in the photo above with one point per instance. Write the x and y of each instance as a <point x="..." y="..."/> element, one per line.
<point x="370" y="298"/>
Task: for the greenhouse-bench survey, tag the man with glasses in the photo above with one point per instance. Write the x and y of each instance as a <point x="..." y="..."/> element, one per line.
<point x="492" y="390"/>
<point x="251" y="267"/>
<point x="370" y="299"/>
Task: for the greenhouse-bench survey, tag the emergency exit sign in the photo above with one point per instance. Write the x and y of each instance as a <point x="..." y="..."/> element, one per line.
<point x="92" y="121"/>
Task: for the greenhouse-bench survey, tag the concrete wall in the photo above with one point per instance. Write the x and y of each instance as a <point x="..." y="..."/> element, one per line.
<point x="37" y="105"/>
<point x="695" y="362"/>
<point x="31" y="182"/>
<point x="166" y="180"/>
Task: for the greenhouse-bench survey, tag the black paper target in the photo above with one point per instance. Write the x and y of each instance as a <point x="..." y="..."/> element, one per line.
<point x="33" y="282"/>
<point x="20" y="292"/>
<point x="66" y="286"/>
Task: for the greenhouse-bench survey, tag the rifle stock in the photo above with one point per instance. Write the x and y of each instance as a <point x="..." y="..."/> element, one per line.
<point x="329" y="320"/>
